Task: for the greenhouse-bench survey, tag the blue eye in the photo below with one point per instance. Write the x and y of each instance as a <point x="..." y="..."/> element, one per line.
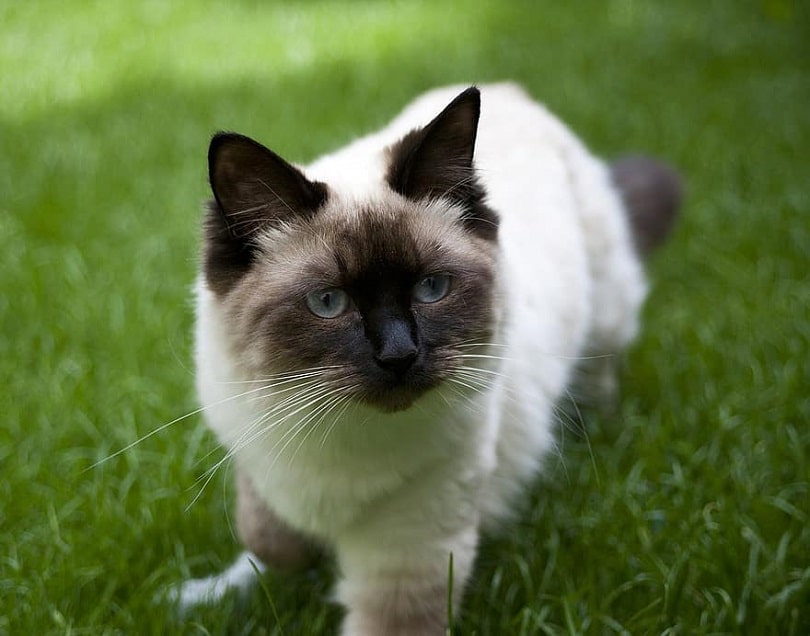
<point x="328" y="303"/>
<point x="432" y="288"/>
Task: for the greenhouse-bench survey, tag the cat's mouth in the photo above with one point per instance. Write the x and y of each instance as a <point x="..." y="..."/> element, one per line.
<point x="396" y="397"/>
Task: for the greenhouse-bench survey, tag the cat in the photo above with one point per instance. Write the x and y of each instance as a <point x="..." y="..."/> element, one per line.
<point x="384" y="335"/>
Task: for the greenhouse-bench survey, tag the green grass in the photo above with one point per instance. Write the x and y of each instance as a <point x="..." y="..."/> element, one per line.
<point x="685" y="512"/>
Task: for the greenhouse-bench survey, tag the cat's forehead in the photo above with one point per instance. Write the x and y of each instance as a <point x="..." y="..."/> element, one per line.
<point x="350" y="239"/>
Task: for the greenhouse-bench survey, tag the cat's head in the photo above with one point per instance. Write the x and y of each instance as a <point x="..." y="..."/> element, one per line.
<point x="380" y="297"/>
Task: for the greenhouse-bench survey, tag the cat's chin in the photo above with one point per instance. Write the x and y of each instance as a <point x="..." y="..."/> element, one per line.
<point x="393" y="401"/>
<point x="391" y="405"/>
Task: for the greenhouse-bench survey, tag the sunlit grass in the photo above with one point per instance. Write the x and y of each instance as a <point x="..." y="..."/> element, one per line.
<point x="685" y="511"/>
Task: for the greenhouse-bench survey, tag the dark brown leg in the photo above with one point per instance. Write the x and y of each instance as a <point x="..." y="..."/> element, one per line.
<point x="271" y="539"/>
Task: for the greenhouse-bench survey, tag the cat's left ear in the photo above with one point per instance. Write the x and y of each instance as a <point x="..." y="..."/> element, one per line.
<point x="437" y="161"/>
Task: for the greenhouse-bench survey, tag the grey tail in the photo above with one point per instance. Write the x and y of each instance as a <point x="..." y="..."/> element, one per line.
<point x="652" y="193"/>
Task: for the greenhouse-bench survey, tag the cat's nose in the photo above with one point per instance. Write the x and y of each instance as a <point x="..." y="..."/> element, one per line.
<point x="399" y="363"/>
<point x="397" y="351"/>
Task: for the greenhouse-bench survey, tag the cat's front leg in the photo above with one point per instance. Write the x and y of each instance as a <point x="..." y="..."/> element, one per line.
<point x="269" y="542"/>
<point x="406" y="590"/>
<point x="261" y="531"/>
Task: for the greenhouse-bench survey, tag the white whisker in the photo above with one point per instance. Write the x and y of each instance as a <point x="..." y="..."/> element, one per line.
<point x="480" y="356"/>
<point x="302" y="424"/>
<point x="255" y="430"/>
<point x="341" y="407"/>
<point x="279" y="413"/>
<point x="300" y="393"/>
<point x="316" y="419"/>
<point x="163" y="427"/>
<point x="286" y="375"/>
<point x="275" y="194"/>
<point x="463" y="383"/>
<point x="483" y="372"/>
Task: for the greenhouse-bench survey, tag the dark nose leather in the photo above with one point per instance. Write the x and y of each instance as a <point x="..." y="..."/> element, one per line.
<point x="397" y="351"/>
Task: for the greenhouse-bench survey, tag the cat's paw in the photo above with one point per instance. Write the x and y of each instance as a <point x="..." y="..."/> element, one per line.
<point x="239" y="577"/>
<point x="190" y="594"/>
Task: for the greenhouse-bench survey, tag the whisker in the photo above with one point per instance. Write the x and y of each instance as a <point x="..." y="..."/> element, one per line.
<point x="286" y="409"/>
<point x="484" y="372"/>
<point x="295" y="385"/>
<point x="476" y="374"/>
<point x="471" y="387"/>
<point x="250" y="433"/>
<point x="475" y="343"/>
<point x="275" y="194"/>
<point x="151" y="433"/>
<point x="345" y="402"/>
<point x="481" y="356"/>
<point x="256" y="430"/>
<point x="255" y="208"/>
<point x="266" y="383"/>
<point x="163" y="427"/>
<point x="320" y="408"/>
<point x="557" y="356"/>
<point x="315" y="420"/>
<point x="286" y="375"/>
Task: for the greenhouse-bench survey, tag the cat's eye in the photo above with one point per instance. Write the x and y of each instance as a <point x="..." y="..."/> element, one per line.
<point x="432" y="288"/>
<point x="328" y="303"/>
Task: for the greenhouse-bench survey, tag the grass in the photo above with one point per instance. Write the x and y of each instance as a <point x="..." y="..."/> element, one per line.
<point x="685" y="512"/>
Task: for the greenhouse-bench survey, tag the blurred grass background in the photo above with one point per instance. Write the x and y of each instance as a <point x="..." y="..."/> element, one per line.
<point x="686" y="512"/>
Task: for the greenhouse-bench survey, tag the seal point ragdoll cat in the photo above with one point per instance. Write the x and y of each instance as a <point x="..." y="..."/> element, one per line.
<point x="383" y="335"/>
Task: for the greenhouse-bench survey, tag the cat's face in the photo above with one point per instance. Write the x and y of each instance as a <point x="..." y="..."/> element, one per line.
<point x="379" y="298"/>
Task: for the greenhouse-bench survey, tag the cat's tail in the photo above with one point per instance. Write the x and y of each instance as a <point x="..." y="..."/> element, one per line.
<point x="652" y="192"/>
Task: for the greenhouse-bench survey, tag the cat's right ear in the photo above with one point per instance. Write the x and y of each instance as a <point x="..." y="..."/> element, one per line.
<point x="253" y="188"/>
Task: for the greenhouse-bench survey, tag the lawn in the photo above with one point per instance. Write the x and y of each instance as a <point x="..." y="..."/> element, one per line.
<point x="686" y="511"/>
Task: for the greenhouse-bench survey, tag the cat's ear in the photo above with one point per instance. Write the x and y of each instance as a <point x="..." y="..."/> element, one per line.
<point x="437" y="161"/>
<point x="254" y="187"/>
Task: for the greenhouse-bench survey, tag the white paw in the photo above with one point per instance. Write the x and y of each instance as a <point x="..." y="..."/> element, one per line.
<point x="240" y="576"/>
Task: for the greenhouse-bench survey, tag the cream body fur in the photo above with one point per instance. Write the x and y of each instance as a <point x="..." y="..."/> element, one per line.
<point x="394" y="493"/>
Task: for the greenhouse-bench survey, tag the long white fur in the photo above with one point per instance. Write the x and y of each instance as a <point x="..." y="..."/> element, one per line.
<point x="399" y="492"/>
